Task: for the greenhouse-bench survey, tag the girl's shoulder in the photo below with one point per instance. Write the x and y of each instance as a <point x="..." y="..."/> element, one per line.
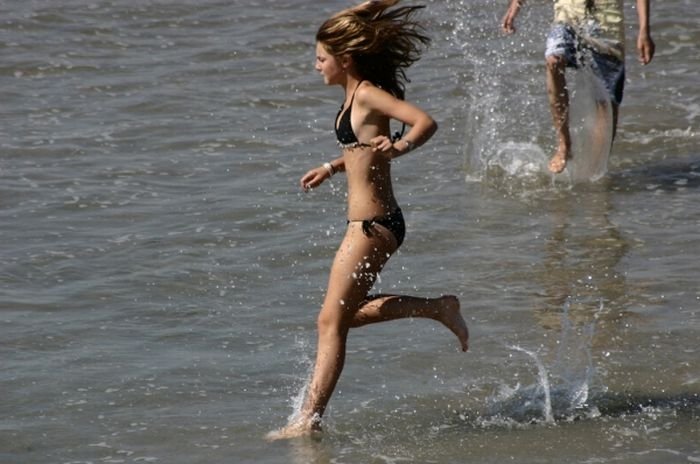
<point x="367" y="93"/>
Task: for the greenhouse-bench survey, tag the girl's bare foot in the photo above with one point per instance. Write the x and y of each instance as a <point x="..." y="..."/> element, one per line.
<point x="451" y="317"/>
<point x="295" y="429"/>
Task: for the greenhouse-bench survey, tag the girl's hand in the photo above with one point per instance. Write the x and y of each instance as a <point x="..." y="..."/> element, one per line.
<point x="314" y="178"/>
<point x="383" y="144"/>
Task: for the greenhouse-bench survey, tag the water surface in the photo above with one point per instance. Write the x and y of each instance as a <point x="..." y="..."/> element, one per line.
<point x="161" y="271"/>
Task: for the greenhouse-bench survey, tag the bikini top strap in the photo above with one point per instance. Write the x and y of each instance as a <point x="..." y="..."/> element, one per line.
<point x="352" y="99"/>
<point x="397" y="135"/>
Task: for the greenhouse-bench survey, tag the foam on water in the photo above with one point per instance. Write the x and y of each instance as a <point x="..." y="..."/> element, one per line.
<point x="518" y="159"/>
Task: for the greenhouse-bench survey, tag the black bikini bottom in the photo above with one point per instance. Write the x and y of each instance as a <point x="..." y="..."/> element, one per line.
<point x="393" y="221"/>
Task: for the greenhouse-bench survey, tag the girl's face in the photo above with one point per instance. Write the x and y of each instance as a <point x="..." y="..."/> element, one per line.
<point x="329" y="66"/>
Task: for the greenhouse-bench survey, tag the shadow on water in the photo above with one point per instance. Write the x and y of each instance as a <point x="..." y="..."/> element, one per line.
<point x="557" y="396"/>
<point x="671" y="176"/>
<point x="526" y="407"/>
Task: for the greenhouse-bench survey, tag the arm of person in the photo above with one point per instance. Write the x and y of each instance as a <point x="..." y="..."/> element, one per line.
<point x="422" y="125"/>
<point x="508" y="21"/>
<point x="645" y="44"/>
<point x="315" y="177"/>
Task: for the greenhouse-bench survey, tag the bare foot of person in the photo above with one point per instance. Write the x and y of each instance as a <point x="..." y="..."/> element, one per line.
<point x="558" y="162"/>
<point x="296" y="429"/>
<point x="451" y="317"/>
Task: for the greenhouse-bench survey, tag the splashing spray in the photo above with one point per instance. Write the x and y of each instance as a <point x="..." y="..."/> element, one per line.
<point x="543" y="385"/>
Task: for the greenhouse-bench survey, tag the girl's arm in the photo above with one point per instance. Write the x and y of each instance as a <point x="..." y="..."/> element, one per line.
<point x="422" y="125"/>
<point x="315" y="177"/>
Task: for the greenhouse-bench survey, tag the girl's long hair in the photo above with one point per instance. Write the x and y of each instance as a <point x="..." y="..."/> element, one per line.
<point x="382" y="41"/>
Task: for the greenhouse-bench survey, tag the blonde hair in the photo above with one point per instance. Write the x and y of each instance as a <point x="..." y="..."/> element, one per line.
<point x="381" y="41"/>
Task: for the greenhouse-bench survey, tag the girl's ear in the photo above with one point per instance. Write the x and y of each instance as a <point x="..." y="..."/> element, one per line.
<point x="346" y="61"/>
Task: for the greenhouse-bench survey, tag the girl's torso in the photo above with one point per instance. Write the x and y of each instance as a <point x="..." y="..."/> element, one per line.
<point x="368" y="173"/>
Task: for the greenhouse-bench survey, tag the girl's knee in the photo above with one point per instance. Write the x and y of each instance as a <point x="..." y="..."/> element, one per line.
<point x="324" y="321"/>
<point x="331" y="321"/>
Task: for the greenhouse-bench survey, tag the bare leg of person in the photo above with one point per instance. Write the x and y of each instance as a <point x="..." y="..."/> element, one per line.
<point x="355" y="267"/>
<point x="444" y="309"/>
<point x="601" y="137"/>
<point x="600" y="134"/>
<point x="559" y="106"/>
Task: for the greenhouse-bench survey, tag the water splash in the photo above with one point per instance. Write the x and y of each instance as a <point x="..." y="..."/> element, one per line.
<point x="591" y="122"/>
<point x="509" y="134"/>
<point x="562" y="391"/>
<point x="494" y="113"/>
<point x="304" y="364"/>
<point x="543" y="385"/>
<point x="502" y="124"/>
<point x="518" y="159"/>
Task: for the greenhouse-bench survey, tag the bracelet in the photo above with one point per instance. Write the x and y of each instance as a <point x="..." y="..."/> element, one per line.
<point x="410" y="146"/>
<point x="329" y="168"/>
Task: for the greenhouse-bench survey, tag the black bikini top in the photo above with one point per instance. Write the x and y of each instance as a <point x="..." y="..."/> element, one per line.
<point x="343" y="127"/>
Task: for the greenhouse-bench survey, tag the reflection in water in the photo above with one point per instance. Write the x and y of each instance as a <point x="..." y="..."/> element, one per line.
<point x="583" y="299"/>
<point x="309" y="450"/>
<point x="586" y="305"/>
<point x="579" y="274"/>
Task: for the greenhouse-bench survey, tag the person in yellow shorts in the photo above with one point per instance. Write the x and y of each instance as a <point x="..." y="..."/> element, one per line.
<point x="585" y="29"/>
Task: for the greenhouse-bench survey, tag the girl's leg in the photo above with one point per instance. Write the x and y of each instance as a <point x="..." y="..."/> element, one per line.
<point x="355" y="267"/>
<point x="357" y="262"/>
<point x="389" y="307"/>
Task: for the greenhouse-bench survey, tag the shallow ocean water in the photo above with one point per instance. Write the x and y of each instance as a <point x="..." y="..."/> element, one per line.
<point x="161" y="271"/>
